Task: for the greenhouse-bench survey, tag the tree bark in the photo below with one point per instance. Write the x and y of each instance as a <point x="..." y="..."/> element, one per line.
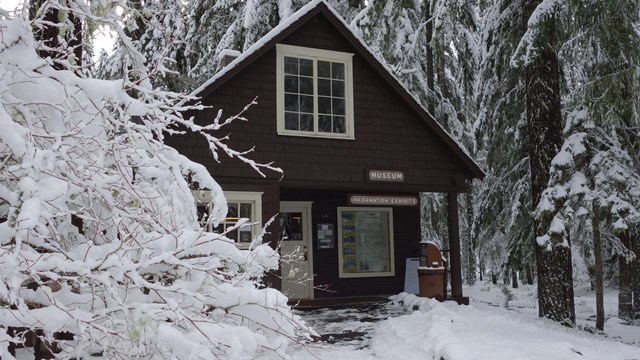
<point x="529" y="275"/>
<point x="635" y="279"/>
<point x="554" y="267"/>
<point x="49" y="35"/>
<point x="514" y="279"/>
<point x="431" y="106"/>
<point x="454" y="246"/>
<point x="469" y="238"/>
<point x="625" y="293"/>
<point x="597" y="254"/>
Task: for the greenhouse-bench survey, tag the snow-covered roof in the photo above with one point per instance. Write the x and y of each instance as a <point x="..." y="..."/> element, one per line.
<point x="288" y="25"/>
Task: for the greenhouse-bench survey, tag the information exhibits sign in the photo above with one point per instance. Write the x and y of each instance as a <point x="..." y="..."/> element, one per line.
<point x="383" y="200"/>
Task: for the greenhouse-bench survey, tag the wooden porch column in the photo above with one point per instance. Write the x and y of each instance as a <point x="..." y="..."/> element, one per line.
<point x="454" y="246"/>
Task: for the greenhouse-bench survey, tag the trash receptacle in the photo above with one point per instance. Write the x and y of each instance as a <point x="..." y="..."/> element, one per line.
<point x="431" y="272"/>
<point x="431" y="280"/>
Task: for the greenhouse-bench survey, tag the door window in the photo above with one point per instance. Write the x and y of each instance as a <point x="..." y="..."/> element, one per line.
<point x="291" y="226"/>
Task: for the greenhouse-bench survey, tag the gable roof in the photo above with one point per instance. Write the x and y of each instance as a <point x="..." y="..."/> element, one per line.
<point x="301" y="17"/>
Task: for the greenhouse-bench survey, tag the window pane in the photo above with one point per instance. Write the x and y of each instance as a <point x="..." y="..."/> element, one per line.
<point x="324" y="87"/>
<point x="245" y="211"/>
<point x="306" y="85"/>
<point x="306" y="122"/>
<point x="245" y="234"/>
<point x="291" y="121"/>
<point x="233" y="235"/>
<point x="324" y="69"/>
<point x="337" y="86"/>
<point x="291" y="84"/>
<point x="338" y="125"/>
<point x="338" y="106"/>
<point x="314" y="95"/>
<point x="291" y="226"/>
<point x="290" y="65"/>
<point x="324" y="105"/>
<point x="324" y="123"/>
<point x="232" y="214"/>
<point x="337" y="70"/>
<point x="291" y="102"/>
<point x="306" y="67"/>
<point x="306" y="104"/>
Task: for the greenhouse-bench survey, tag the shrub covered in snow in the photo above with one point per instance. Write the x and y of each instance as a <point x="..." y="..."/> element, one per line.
<point x="99" y="236"/>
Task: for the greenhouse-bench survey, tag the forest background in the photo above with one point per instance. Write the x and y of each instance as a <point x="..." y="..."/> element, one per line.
<point x="542" y="93"/>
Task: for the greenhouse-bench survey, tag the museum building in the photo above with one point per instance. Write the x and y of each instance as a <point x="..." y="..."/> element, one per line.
<point x="355" y="148"/>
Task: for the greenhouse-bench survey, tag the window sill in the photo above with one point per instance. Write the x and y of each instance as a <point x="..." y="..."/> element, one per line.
<point x="316" y="135"/>
<point x="367" y="275"/>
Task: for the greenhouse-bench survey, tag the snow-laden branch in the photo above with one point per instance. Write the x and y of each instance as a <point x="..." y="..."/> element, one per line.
<point x="99" y="235"/>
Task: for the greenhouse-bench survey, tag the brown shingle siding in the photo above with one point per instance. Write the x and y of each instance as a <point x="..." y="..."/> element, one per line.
<point x="388" y="133"/>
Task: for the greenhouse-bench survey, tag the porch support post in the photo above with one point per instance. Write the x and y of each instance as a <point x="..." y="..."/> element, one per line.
<point x="454" y="246"/>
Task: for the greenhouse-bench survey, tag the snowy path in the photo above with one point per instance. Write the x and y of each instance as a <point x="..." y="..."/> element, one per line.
<point x="477" y="332"/>
<point x="469" y="332"/>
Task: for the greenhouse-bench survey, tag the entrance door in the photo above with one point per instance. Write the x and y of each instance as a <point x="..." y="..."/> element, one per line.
<point x="296" y="264"/>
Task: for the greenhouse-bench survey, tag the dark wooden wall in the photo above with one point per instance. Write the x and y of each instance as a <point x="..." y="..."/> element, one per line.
<point x="406" y="234"/>
<point x="388" y="134"/>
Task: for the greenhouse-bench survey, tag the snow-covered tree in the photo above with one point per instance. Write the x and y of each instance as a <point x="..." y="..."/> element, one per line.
<point x="597" y="170"/>
<point x="100" y="243"/>
<point x="157" y="30"/>
<point x="192" y="35"/>
<point x="503" y="200"/>
<point x="396" y="32"/>
<point x="538" y="57"/>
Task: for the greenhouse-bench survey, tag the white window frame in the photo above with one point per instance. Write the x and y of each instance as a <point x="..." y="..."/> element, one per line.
<point x="342" y="273"/>
<point x="283" y="50"/>
<point x="252" y="197"/>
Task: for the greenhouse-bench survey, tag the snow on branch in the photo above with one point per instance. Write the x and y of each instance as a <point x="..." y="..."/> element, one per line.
<point x="528" y="46"/>
<point x="99" y="235"/>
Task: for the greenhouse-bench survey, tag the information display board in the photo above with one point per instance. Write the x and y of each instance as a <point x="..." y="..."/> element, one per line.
<point x="366" y="242"/>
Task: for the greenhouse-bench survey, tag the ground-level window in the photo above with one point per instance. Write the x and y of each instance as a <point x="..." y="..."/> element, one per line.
<point x="365" y="242"/>
<point x="241" y="205"/>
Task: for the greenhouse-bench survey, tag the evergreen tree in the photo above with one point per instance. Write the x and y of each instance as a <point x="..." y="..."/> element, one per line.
<point x="504" y="224"/>
<point x="544" y="117"/>
<point x="190" y="36"/>
<point x="595" y="176"/>
<point x="215" y="26"/>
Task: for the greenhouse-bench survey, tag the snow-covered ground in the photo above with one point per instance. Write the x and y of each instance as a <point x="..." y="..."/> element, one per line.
<point x="425" y="329"/>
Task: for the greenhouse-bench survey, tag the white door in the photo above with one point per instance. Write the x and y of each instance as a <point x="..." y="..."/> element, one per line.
<point x="296" y="267"/>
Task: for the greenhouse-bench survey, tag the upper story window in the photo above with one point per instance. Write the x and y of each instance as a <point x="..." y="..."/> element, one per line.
<point x="315" y="92"/>
<point x="241" y="205"/>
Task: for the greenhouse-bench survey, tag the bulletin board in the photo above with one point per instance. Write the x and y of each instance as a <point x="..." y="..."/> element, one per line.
<point x="325" y="236"/>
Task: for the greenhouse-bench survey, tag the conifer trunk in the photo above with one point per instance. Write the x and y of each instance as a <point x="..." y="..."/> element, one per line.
<point x="470" y="255"/>
<point x="554" y="267"/>
<point x="431" y="107"/>
<point x="625" y="293"/>
<point x="530" y="276"/>
<point x="597" y="254"/>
